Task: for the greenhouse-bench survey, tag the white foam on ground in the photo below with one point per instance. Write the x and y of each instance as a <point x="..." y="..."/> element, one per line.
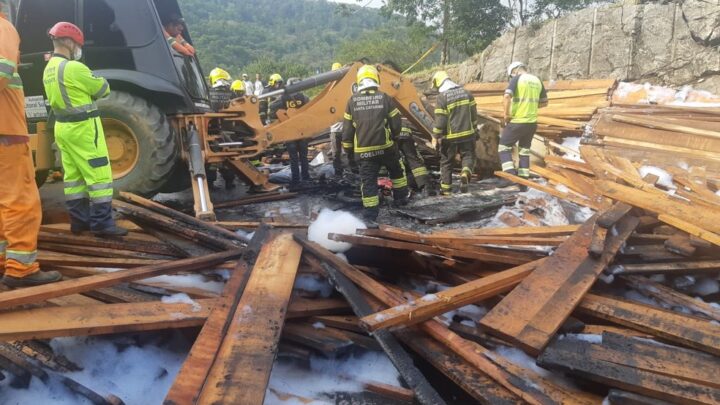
<point x="313" y="283"/>
<point x="189" y="280"/>
<point x="706" y="286"/>
<point x="181" y="298"/>
<point x="329" y="221"/>
<point x="331" y="375"/>
<point x="573" y="143"/>
<point x="665" y="177"/>
<point x="137" y="375"/>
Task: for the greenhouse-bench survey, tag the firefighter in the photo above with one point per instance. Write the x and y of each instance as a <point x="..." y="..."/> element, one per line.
<point x="20" y="212"/>
<point x="173" y="26"/>
<point x="238" y="88"/>
<point x="219" y="77"/>
<point x="336" y="130"/>
<point x="298" y="150"/>
<point x="524" y="95"/>
<point x="371" y="123"/>
<point x="454" y="128"/>
<point x="72" y="89"/>
<point x="417" y="173"/>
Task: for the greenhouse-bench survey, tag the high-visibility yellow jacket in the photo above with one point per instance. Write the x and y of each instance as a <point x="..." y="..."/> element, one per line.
<point x="12" y="98"/>
<point x="455" y="115"/>
<point x="72" y="88"/>
<point x="527" y="93"/>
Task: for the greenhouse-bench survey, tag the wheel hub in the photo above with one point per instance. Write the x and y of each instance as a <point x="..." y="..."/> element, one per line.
<point x="123" y="147"/>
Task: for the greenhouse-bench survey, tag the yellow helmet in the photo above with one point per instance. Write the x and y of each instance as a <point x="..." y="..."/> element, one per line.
<point x="336" y="66"/>
<point x="219" y="74"/>
<point x="275" y="78"/>
<point x="238" y="86"/>
<point x="368" y="72"/>
<point x="438" y="78"/>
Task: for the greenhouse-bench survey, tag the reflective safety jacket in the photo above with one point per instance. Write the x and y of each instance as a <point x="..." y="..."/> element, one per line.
<point x="527" y="93"/>
<point x="371" y="123"/>
<point x="455" y="115"/>
<point x="72" y="89"/>
<point x="12" y="98"/>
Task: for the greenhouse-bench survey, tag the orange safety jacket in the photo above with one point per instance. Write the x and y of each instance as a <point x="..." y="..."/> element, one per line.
<point x="12" y="98"/>
<point x="179" y="44"/>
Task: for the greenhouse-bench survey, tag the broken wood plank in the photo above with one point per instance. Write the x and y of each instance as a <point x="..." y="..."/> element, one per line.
<point x="526" y="384"/>
<point x="242" y="367"/>
<point x="531" y="314"/>
<point x="549" y="190"/>
<point x="663" y="205"/>
<point x="675" y="268"/>
<point x="253" y="199"/>
<point x="47" y="323"/>
<point x="672" y="298"/>
<point x="537" y="231"/>
<point x="91" y="241"/>
<point x="581" y="358"/>
<point x="691" y="228"/>
<point x="620" y="397"/>
<point x="610" y="217"/>
<point x="680" y="244"/>
<point x="39" y="293"/>
<point x="478" y="253"/>
<point x="303" y="307"/>
<point x="683" y="329"/>
<point x="392" y="392"/>
<point x="194" y="371"/>
<point x="347" y="322"/>
<point x="444" y="301"/>
<point x="422" y="389"/>
<point x="329" y="341"/>
<point x="50" y="260"/>
<point x="597" y="243"/>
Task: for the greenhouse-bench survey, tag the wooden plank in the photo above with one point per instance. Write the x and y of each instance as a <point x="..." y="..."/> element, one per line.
<point x="79" y="250"/>
<point x="672" y="361"/>
<point x="683" y="329"/>
<point x="188" y="219"/>
<point x="391" y="392"/>
<point x="241" y="370"/>
<point x="654" y="124"/>
<point x="526" y="384"/>
<point x="254" y="199"/>
<point x="49" y="260"/>
<point x="302" y="307"/>
<point x="329" y="341"/>
<point x="684" y="151"/>
<point x="436" y="304"/>
<point x="597" y="243"/>
<point x="608" y="218"/>
<point x="484" y="254"/>
<point x="663" y="204"/>
<point x="620" y="397"/>
<point x="421" y="388"/>
<point x="536" y="231"/>
<point x="83" y="240"/>
<point x="674" y="268"/>
<point x="51" y="322"/>
<point x="581" y="358"/>
<point x="347" y="322"/>
<point x="672" y="298"/>
<point x="39" y="293"/>
<point x="531" y="314"/>
<point x="549" y="190"/>
<point x="691" y="228"/>
<point x="569" y="164"/>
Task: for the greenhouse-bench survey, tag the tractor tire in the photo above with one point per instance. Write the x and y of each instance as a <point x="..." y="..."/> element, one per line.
<point x="142" y="146"/>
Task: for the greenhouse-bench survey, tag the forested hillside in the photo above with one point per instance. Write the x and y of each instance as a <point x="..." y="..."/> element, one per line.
<point x="297" y="37"/>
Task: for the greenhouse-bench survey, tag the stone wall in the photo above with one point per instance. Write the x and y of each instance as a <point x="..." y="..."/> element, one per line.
<point x="671" y="44"/>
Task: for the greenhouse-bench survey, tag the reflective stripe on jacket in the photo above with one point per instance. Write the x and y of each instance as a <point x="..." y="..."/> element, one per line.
<point x="72" y="89"/>
<point x="371" y="122"/>
<point x="527" y="92"/>
<point x="455" y="115"/>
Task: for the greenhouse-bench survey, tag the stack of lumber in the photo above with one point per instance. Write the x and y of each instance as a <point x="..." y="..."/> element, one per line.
<point x="571" y="104"/>
<point x="686" y="132"/>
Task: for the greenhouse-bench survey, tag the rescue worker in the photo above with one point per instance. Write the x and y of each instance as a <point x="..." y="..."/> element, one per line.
<point x="336" y="130"/>
<point x="249" y="85"/>
<point x="417" y="173"/>
<point x="298" y="150"/>
<point x="371" y="123"/>
<point x="524" y="95"/>
<point x="173" y="26"/>
<point x="238" y="87"/>
<point x="454" y="128"/>
<point x="72" y="89"/>
<point x="219" y="77"/>
<point x="20" y="212"/>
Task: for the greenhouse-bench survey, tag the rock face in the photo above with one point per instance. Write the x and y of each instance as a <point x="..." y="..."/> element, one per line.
<point x="671" y="44"/>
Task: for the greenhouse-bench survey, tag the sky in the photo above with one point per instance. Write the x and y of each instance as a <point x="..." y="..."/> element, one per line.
<point x="369" y="3"/>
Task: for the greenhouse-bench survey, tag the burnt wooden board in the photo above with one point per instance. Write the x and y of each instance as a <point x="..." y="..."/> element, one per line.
<point x="242" y="367"/>
<point x="531" y="314"/>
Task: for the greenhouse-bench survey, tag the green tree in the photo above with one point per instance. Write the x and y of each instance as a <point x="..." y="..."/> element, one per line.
<point x="544" y="9"/>
<point x="467" y="25"/>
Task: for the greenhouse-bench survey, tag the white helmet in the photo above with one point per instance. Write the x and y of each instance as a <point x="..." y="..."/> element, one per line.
<point x="514" y="66"/>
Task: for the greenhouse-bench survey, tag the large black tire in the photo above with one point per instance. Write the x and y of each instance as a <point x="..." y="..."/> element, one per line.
<point x="157" y="149"/>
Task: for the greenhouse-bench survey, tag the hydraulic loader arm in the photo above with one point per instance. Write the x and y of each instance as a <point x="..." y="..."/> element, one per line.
<point x="326" y="109"/>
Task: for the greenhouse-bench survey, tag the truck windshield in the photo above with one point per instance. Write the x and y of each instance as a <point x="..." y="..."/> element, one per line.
<point x="36" y="17"/>
<point x="118" y="23"/>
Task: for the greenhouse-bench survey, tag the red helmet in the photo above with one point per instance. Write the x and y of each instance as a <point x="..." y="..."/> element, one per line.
<point x="67" y="30"/>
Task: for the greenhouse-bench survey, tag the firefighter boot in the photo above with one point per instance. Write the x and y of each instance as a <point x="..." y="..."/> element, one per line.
<point x="113" y="231"/>
<point x="464" y="181"/>
<point x="37" y="278"/>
